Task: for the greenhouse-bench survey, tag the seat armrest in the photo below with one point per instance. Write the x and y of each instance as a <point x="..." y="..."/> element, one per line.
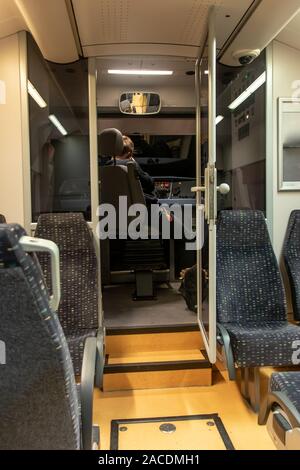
<point x="224" y="339"/>
<point x="280" y="399"/>
<point x="100" y="357"/>
<point x="87" y="391"/>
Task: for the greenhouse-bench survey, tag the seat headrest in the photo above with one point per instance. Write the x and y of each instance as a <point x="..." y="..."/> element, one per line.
<point x="242" y="228"/>
<point x="111" y="143"/>
<point x="68" y="230"/>
<point x="10" y="235"/>
<point x="293" y="232"/>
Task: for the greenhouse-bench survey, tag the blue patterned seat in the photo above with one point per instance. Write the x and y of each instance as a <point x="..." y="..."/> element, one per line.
<point x="39" y="406"/>
<point x="289" y="384"/>
<point x="291" y="254"/>
<point x="281" y="410"/>
<point x="78" y="311"/>
<point x="251" y="302"/>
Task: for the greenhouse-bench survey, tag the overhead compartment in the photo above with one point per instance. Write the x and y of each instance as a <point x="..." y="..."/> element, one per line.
<point x="49" y="23"/>
<point x="263" y="25"/>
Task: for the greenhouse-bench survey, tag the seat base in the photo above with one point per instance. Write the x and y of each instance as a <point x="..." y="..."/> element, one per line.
<point x="144" y="286"/>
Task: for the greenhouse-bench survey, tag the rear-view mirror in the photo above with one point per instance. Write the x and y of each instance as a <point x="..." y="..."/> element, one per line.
<point x="140" y="103"/>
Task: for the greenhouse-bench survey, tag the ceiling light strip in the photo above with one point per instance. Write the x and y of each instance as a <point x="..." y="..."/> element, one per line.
<point x="58" y="125"/>
<point x="140" y="72"/>
<point x="35" y="95"/>
<point x="249" y="91"/>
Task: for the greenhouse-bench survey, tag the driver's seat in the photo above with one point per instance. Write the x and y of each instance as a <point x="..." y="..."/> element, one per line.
<point x="140" y="256"/>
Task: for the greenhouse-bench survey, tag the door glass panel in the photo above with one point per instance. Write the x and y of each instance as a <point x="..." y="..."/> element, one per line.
<point x="203" y="256"/>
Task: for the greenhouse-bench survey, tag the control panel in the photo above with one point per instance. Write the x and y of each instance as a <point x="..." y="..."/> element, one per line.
<point x="175" y="188"/>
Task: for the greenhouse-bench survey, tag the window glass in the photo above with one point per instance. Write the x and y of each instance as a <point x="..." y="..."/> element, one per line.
<point x="241" y="135"/>
<point x="59" y="135"/>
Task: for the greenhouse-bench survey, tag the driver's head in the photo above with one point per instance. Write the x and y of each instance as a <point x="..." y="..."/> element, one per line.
<point x="128" y="148"/>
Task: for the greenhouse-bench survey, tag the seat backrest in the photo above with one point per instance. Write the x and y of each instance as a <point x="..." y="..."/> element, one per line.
<point x="114" y="183"/>
<point x="291" y="254"/>
<point x="39" y="403"/>
<point x="249" y="284"/>
<point x="118" y="180"/>
<point x="78" y="268"/>
<point x="121" y="180"/>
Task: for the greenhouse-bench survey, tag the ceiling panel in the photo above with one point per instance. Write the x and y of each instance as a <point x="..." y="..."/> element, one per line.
<point x="291" y="34"/>
<point x="175" y="27"/>
<point x="11" y="20"/>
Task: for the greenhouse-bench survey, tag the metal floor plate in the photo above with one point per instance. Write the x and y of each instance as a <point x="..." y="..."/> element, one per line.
<point x="200" y="432"/>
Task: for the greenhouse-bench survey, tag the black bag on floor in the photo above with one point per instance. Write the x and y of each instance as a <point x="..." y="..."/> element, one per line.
<point x="188" y="288"/>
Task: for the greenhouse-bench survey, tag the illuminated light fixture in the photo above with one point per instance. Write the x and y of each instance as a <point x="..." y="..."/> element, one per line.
<point x="206" y="72"/>
<point x="249" y="91"/>
<point x="35" y="95"/>
<point x="219" y="119"/>
<point x="57" y="124"/>
<point x="140" y="72"/>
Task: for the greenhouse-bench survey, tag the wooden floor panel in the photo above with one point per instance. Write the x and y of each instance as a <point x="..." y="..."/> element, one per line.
<point x="222" y="398"/>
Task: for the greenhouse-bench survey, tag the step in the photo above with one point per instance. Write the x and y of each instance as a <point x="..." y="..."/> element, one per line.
<point x="157" y="356"/>
<point x="123" y="343"/>
<point x="154" y="370"/>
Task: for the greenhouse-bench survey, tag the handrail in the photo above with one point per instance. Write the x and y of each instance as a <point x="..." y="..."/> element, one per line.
<point x="31" y="245"/>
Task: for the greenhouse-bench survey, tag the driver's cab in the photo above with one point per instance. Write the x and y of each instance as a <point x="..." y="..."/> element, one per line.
<point x="141" y="271"/>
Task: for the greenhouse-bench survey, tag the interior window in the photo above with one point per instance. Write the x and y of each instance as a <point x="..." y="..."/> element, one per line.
<point x="59" y="135"/>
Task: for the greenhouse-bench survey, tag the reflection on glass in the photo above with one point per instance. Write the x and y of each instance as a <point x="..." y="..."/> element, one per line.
<point x="139" y="102"/>
<point x="291" y="143"/>
<point x="59" y="135"/>
<point x="241" y="135"/>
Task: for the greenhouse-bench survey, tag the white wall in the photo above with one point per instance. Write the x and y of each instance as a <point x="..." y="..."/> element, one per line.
<point x="286" y="69"/>
<point x="11" y="167"/>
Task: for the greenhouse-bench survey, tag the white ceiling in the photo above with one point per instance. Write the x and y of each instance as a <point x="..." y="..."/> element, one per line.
<point x="11" y="21"/>
<point x="178" y="65"/>
<point x="291" y="33"/>
<point x="160" y="27"/>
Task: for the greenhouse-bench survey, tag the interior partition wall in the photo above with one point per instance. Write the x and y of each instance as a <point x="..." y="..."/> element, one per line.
<point x="60" y="167"/>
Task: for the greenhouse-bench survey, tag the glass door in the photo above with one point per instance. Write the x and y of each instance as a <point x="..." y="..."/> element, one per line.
<point x="206" y="200"/>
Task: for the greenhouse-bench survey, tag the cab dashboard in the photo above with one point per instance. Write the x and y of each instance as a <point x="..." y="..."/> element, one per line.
<point x="175" y="189"/>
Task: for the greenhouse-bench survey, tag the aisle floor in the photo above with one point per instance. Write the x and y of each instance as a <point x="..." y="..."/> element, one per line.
<point x="222" y="398"/>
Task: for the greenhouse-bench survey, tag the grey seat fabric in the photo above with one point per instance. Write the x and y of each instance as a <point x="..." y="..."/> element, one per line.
<point x="251" y="303"/>
<point x="121" y="180"/>
<point x="291" y="254"/>
<point x="289" y="384"/>
<point x="78" y="310"/>
<point x="39" y="407"/>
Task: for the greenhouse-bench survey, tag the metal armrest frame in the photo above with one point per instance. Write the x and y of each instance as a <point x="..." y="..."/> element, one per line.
<point x="100" y="357"/>
<point x="224" y="339"/>
<point x="87" y="392"/>
<point x="280" y="399"/>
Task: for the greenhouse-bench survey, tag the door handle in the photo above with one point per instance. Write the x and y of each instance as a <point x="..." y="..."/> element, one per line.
<point x="224" y="189"/>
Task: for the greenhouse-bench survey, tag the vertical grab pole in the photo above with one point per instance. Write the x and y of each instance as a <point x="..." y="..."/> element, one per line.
<point x="212" y="192"/>
<point x="93" y="128"/>
<point x="198" y="183"/>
